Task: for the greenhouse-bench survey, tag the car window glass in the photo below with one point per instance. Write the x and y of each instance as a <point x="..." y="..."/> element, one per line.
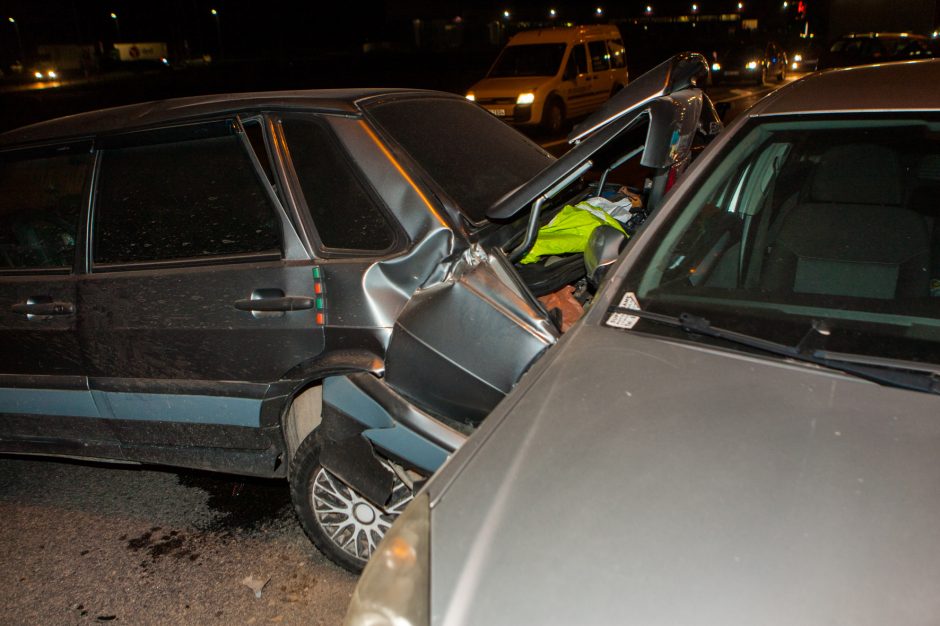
<point x="344" y="213"/>
<point x="182" y="200"/>
<point x="474" y="157"/>
<point x="40" y="203"/>
<point x="600" y="59"/>
<point x="618" y="57"/>
<point x="833" y="220"/>
<point x="579" y="58"/>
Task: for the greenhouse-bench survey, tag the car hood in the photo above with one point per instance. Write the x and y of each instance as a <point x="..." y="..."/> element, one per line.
<point x="645" y="481"/>
<point x="508" y="87"/>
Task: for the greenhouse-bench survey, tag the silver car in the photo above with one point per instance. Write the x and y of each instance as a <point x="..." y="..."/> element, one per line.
<point x="745" y="427"/>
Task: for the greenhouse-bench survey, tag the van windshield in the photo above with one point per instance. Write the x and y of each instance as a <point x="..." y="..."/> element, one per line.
<point x="542" y="59"/>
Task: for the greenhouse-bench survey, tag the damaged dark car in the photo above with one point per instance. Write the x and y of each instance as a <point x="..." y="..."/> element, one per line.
<point x="325" y="286"/>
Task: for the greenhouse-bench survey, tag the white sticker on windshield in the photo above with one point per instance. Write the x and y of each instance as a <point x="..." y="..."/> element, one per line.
<point x="625" y="320"/>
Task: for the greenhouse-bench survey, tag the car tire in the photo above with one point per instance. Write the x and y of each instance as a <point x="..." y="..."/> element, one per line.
<point x="342" y="524"/>
<point x="782" y="76"/>
<point x="553" y="117"/>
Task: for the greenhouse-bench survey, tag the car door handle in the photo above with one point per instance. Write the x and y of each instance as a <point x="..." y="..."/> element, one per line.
<point x="280" y="304"/>
<point x="44" y="309"/>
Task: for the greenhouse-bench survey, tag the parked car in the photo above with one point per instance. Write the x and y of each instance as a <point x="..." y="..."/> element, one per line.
<point x="750" y="63"/>
<point x="865" y="48"/>
<point x="549" y="76"/>
<point x="321" y="286"/>
<point x="744" y="428"/>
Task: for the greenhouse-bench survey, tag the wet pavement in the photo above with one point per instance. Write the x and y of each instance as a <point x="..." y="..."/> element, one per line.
<point x="94" y="543"/>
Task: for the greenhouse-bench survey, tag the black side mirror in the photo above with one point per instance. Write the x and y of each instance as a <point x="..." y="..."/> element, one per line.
<point x="604" y="246"/>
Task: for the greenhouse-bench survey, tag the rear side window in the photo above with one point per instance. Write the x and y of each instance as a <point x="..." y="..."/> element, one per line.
<point x="600" y="58"/>
<point x="345" y="215"/>
<point x="40" y="204"/>
<point x="182" y="200"/>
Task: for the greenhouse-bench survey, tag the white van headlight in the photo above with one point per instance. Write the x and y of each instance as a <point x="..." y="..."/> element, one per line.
<point x="394" y="588"/>
<point x="525" y="98"/>
<point x="471" y="97"/>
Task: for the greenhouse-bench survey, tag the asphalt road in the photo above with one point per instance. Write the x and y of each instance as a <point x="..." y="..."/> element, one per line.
<point x="84" y="543"/>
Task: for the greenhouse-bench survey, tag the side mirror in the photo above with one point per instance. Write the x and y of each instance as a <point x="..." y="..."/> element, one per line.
<point x="604" y="246"/>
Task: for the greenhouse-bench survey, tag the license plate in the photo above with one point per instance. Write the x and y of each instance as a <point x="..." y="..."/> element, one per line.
<point x="732" y="73"/>
<point x="498" y="112"/>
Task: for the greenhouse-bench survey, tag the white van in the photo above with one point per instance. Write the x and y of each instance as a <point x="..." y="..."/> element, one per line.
<point x="551" y="75"/>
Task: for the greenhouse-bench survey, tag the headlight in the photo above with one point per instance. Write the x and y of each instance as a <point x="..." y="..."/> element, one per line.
<point x="38" y="75"/>
<point x="752" y="65"/>
<point x="393" y="589"/>
<point x="52" y="74"/>
<point x="525" y="98"/>
<point x="716" y="67"/>
<point x="797" y="57"/>
<point x="471" y="97"/>
<point x="795" y="65"/>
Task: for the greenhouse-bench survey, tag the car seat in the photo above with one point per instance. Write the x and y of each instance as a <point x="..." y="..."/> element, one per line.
<point x="851" y="236"/>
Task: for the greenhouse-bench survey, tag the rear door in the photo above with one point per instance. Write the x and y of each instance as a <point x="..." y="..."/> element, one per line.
<point x="45" y="404"/>
<point x="198" y="297"/>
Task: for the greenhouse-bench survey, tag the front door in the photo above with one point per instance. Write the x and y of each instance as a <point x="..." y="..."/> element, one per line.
<point x="45" y="405"/>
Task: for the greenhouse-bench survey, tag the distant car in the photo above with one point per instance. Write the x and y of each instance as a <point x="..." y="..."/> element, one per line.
<point x="804" y="56"/>
<point x="549" y="76"/>
<point x="745" y="428"/>
<point x="866" y="48"/>
<point x="322" y="286"/>
<point x="44" y="72"/>
<point x="750" y="63"/>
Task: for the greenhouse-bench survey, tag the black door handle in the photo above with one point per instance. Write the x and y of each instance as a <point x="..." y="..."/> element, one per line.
<point x="44" y="308"/>
<point x="283" y="303"/>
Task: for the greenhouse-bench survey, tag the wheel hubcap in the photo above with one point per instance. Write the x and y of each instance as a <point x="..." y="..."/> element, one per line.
<point x="353" y="524"/>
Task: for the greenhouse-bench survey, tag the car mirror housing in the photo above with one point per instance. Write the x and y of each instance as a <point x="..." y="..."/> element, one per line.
<point x="603" y="249"/>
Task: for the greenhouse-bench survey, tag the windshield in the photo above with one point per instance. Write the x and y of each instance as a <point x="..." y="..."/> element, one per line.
<point x="822" y="219"/>
<point x="542" y="59"/>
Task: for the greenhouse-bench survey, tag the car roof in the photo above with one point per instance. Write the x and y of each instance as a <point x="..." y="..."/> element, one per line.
<point x="901" y="86"/>
<point x="563" y="34"/>
<point x="148" y="114"/>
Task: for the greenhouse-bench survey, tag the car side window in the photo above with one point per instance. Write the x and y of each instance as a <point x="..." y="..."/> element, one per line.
<point x="618" y="55"/>
<point x="40" y="203"/>
<point x="600" y="58"/>
<point x="345" y="214"/>
<point x="182" y="200"/>
<point x="577" y="62"/>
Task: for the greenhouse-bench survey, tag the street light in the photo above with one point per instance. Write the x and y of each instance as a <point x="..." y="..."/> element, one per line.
<point x="649" y="9"/>
<point x="694" y="8"/>
<point x="218" y="31"/>
<point x="598" y="11"/>
<point x="19" y="42"/>
<point x="117" y="25"/>
<point x="740" y="6"/>
<point x="506" y="14"/>
<point x="552" y="13"/>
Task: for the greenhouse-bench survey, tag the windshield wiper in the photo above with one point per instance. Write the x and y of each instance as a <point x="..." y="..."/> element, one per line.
<point x="917" y="380"/>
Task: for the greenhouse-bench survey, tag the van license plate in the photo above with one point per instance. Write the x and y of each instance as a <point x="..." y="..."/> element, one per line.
<point x="732" y="73"/>
<point x="498" y="112"/>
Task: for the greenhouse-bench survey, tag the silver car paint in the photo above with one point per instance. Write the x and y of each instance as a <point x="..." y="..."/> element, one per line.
<point x="643" y="481"/>
<point x="728" y="489"/>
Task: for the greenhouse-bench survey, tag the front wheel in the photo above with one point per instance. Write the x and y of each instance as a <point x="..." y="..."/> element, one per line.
<point x="553" y="117"/>
<point x="343" y="525"/>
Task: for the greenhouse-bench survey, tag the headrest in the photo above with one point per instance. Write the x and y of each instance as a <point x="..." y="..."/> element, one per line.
<point x="858" y="174"/>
